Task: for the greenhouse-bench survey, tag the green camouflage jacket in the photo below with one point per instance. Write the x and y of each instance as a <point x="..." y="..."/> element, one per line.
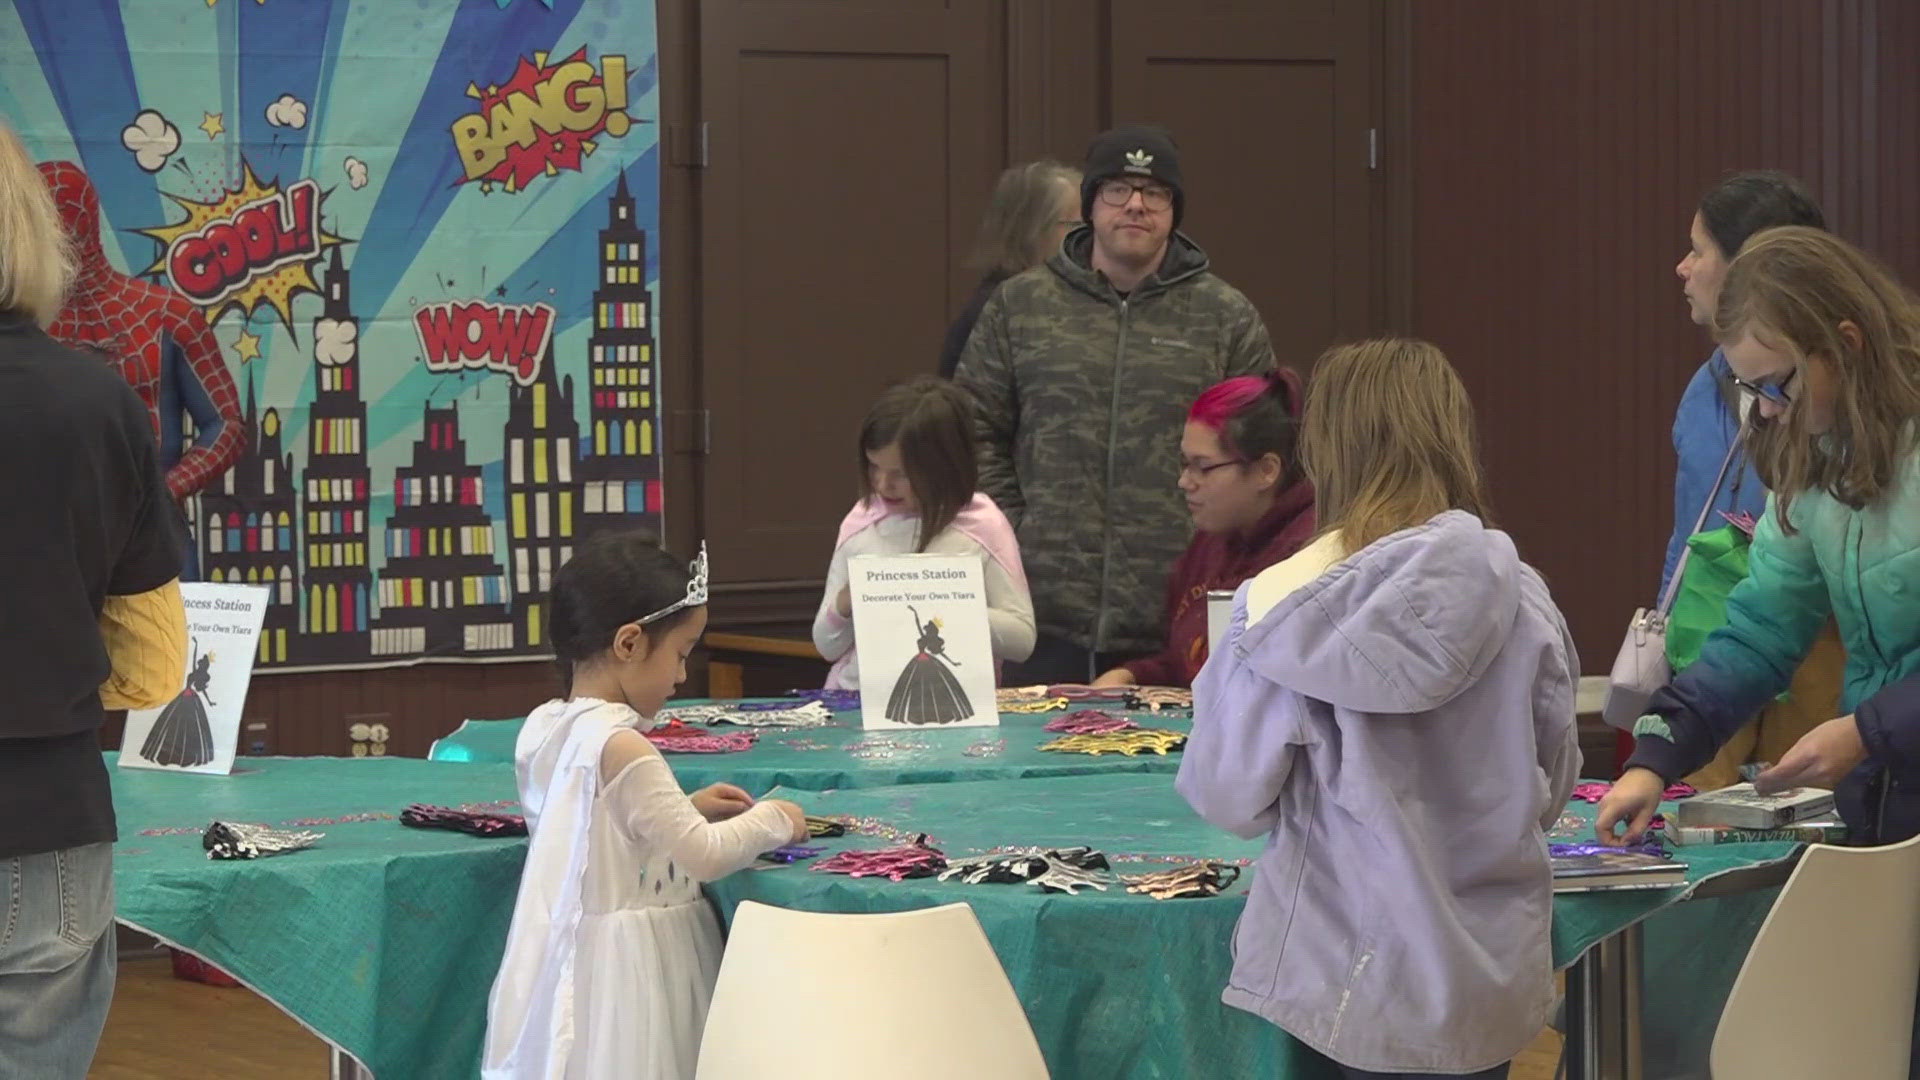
<point x="1082" y="397"/>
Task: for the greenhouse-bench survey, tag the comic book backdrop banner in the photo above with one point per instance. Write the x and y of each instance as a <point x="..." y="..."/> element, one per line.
<point x="423" y="233"/>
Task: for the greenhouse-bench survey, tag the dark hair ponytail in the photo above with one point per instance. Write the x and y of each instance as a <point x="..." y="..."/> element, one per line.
<point x="1747" y="202"/>
<point x="613" y="579"/>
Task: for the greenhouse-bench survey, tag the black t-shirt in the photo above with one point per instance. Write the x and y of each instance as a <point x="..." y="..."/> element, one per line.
<point x="84" y="517"/>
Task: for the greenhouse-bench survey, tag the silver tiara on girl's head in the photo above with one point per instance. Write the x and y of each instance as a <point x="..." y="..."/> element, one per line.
<point x="696" y="589"/>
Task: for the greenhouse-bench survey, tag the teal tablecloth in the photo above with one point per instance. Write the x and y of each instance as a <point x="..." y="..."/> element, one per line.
<point x="384" y="940"/>
<point x="1118" y="985"/>
<point x="844" y="755"/>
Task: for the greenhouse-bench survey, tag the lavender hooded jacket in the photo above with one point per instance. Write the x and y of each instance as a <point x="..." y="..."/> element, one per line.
<point x="1403" y="727"/>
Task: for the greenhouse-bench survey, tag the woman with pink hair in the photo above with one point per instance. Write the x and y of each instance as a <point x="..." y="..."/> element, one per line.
<point x="1251" y="503"/>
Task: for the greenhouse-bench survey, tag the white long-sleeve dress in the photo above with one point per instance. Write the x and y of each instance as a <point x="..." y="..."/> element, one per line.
<point x="613" y="952"/>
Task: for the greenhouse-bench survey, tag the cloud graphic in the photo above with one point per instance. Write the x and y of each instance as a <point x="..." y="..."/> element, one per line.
<point x="333" y="341"/>
<point x="287" y="111"/>
<point x="356" y="173"/>
<point x="152" y="138"/>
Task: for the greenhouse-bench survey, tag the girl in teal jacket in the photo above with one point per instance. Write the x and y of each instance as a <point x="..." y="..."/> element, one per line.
<point x="1829" y="346"/>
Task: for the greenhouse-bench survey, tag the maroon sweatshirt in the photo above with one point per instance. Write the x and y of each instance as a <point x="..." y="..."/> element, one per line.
<point x="1214" y="561"/>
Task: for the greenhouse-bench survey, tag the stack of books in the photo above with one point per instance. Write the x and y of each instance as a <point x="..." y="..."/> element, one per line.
<point x="1738" y="814"/>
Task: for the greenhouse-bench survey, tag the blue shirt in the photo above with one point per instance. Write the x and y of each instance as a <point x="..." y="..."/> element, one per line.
<point x="1703" y="429"/>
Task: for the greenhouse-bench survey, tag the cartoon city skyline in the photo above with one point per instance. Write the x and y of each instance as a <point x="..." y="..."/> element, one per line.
<point x="443" y="588"/>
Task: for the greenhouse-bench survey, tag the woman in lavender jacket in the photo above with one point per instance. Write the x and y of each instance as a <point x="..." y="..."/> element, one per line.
<point x="1395" y="706"/>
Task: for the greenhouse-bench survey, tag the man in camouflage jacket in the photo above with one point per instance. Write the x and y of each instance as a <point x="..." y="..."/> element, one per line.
<point x="1084" y="369"/>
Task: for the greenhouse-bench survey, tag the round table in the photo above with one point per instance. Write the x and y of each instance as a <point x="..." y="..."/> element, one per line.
<point x="845" y="755"/>
<point x="384" y="940"/>
<point x="1118" y="984"/>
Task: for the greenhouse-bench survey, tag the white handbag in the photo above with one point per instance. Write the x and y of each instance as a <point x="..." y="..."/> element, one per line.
<point x="1641" y="666"/>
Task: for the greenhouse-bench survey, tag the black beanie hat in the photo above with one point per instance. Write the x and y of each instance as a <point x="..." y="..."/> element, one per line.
<point x="1132" y="150"/>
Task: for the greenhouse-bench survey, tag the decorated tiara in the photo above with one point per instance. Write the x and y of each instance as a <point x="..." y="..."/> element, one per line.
<point x="696" y="589"/>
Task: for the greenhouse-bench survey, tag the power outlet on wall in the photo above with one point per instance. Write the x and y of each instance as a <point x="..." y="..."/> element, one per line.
<point x="256" y="738"/>
<point x="368" y="733"/>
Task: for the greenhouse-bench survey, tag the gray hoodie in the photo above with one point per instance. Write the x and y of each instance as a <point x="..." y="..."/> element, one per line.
<point x="1403" y="728"/>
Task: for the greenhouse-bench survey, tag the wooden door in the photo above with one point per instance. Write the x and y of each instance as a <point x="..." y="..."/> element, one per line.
<point x="851" y="145"/>
<point x="1272" y="105"/>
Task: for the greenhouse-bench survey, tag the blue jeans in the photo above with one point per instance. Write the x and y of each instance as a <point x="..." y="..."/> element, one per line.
<point x="56" y="960"/>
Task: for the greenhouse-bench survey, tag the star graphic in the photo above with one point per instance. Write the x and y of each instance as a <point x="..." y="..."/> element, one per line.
<point x="247" y="346"/>
<point x="213" y="125"/>
<point x="501" y="291"/>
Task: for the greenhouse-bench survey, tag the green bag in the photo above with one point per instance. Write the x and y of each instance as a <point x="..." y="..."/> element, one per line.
<point x="1718" y="562"/>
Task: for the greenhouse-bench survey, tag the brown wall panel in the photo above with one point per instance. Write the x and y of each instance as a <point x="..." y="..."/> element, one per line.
<point x="1281" y="258"/>
<point x="1057" y="76"/>
<point x="853" y="145"/>
<point x="1539" y="165"/>
<point x="1556" y="154"/>
<point x="311" y="713"/>
<point x="1271" y="105"/>
<point x="845" y="160"/>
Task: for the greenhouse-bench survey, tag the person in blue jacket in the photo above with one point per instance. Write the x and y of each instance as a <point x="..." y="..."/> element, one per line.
<point x="1706" y="425"/>
<point x="1827" y="343"/>
<point x="1706" y="428"/>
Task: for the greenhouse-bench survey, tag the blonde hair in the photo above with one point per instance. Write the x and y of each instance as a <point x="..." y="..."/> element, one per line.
<point x="1020" y="215"/>
<point x="36" y="260"/>
<point x="1388" y="440"/>
<point x="1791" y="288"/>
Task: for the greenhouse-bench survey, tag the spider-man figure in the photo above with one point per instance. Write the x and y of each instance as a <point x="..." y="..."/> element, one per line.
<point x="161" y="344"/>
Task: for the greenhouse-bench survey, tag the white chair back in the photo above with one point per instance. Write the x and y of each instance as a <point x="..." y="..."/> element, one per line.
<point x="912" y="993"/>
<point x="1828" y="987"/>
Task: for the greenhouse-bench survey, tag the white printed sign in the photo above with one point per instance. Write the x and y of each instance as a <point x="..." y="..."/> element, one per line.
<point x="199" y="730"/>
<point x="920" y="625"/>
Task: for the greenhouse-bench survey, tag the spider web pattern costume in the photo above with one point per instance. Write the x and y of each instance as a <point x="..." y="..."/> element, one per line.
<point x="158" y="340"/>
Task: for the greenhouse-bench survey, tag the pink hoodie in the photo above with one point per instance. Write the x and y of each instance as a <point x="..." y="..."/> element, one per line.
<point x="980" y="520"/>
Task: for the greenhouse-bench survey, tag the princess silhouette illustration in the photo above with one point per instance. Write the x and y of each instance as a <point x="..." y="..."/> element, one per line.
<point x="927" y="692"/>
<point x="181" y="736"/>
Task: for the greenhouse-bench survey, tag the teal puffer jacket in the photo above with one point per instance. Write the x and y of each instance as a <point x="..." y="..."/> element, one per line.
<point x="1862" y="566"/>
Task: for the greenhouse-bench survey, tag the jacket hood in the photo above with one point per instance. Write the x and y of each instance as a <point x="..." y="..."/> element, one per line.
<point x="1074" y="263"/>
<point x="79" y="207"/>
<point x="1402" y="626"/>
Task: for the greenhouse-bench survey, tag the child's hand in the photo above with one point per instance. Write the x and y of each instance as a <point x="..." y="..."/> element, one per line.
<point x="718" y="802"/>
<point x="795" y="815"/>
<point x="844" y="603"/>
<point x="1633" y="799"/>
<point x="1117" y="677"/>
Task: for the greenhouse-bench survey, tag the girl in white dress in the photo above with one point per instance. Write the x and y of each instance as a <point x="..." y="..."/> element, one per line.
<point x="613" y="952"/>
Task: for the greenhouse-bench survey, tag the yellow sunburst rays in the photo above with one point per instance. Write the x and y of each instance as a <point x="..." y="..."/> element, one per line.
<point x="275" y="289"/>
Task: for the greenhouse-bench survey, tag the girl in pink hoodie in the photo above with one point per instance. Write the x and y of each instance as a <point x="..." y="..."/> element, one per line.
<point x="919" y="469"/>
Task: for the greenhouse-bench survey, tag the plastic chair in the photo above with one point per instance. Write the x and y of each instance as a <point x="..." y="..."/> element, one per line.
<point x="923" y="988"/>
<point x="479" y="740"/>
<point x="1828" y="987"/>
